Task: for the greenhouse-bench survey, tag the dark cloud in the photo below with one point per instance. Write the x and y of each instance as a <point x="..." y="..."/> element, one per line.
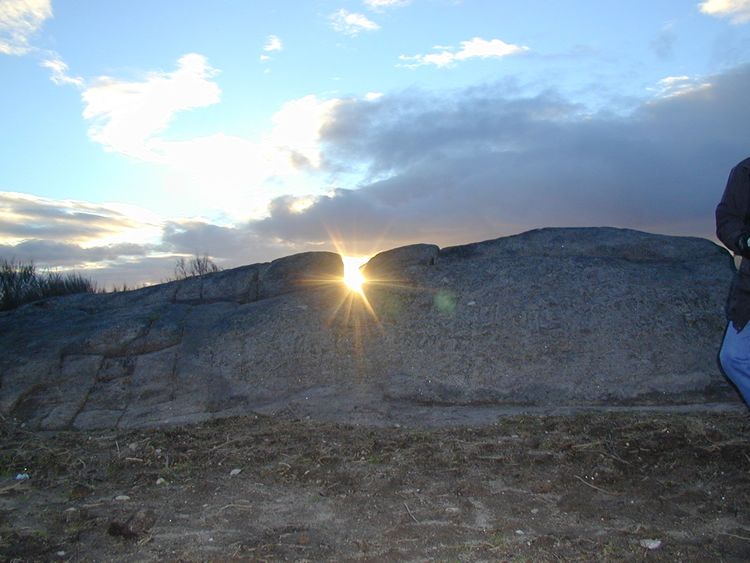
<point x="101" y="263"/>
<point x="27" y="217"/>
<point x="66" y="254"/>
<point x="477" y="163"/>
<point x="663" y="44"/>
<point x="229" y="245"/>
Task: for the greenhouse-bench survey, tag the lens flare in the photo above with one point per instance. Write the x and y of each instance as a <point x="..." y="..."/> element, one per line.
<point x="353" y="277"/>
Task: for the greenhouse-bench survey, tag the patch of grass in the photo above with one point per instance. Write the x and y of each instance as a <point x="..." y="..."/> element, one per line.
<point x="20" y="284"/>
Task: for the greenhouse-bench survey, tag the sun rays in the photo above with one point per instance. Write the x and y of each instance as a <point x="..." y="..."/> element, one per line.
<point x="353" y="277"/>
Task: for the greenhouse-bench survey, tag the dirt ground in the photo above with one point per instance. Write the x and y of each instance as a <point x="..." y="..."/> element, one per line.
<point x="586" y="487"/>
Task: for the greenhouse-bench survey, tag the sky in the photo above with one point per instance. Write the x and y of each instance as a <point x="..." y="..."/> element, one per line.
<point x="134" y="133"/>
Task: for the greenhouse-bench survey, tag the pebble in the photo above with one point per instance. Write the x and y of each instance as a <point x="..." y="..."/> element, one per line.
<point x="122" y="498"/>
<point x="161" y="481"/>
<point x="234" y="472"/>
<point x="651" y="545"/>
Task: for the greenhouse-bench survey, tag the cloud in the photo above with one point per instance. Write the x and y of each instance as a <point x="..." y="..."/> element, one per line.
<point x="447" y="167"/>
<point x="663" y="44"/>
<point x="59" y="71"/>
<point x="242" y="174"/>
<point x="273" y="44"/>
<point x="476" y="48"/>
<point x="131" y="117"/>
<point x="378" y="4"/>
<point x="24" y="217"/>
<point x="676" y="85"/>
<point x="117" y="243"/>
<point x="126" y="116"/>
<point x="467" y="165"/>
<point x="20" y="20"/>
<point x="79" y="235"/>
<point x="57" y="254"/>
<point x="737" y="10"/>
<point x="351" y="24"/>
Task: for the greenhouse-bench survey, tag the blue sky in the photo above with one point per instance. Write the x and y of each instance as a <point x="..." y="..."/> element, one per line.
<point x="137" y="132"/>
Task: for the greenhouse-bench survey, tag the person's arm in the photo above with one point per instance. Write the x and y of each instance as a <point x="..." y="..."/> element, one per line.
<point x="732" y="212"/>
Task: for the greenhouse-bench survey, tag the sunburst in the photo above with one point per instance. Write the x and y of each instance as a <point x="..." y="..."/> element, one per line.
<point x="353" y="277"/>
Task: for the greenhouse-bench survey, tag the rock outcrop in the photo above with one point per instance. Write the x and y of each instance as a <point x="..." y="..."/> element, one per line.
<point x="552" y="317"/>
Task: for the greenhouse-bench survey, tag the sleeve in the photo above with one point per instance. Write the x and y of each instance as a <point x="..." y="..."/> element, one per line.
<point x="732" y="211"/>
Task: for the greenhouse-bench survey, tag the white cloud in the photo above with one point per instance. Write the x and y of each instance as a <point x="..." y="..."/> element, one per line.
<point x="127" y="115"/>
<point x="131" y="117"/>
<point x="351" y="23"/>
<point x="237" y="171"/>
<point x="59" y="71"/>
<point x="378" y="4"/>
<point x="19" y="21"/>
<point x="679" y="85"/>
<point x="273" y="44"/>
<point x="738" y="10"/>
<point x="476" y="48"/>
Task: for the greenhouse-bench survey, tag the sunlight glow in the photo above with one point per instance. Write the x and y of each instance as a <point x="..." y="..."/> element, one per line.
<point x="353" y="277"/>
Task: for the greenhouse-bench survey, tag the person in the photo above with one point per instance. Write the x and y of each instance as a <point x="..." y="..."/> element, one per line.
<point x="733" y="229"/>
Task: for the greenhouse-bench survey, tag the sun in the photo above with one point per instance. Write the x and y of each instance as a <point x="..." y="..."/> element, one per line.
<point x="353" y="277"/>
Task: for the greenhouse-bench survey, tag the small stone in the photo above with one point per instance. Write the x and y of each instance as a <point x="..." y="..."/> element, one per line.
<point x="122" y="498"/>
<point x="71" y="515"/>
<point x="234" y="472"/>
<point x="161" y="481"/>
<point x="651" y="545"/>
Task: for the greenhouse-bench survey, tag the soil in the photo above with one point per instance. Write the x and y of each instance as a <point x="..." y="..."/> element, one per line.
<point x="604" y="487"/>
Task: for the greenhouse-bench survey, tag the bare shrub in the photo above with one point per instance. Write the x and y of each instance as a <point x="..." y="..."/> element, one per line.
<point x="196" y="266"/>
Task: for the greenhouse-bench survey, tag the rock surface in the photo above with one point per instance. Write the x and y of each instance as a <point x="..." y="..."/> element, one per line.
<point x="548" y="318"/>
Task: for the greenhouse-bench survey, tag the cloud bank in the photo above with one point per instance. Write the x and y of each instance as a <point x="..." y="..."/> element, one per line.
<point x="478" y="163"/>
<point x="446" y="167"/>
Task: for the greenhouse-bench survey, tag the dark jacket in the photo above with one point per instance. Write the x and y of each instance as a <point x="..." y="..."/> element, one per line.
<point x="733" y="223"/>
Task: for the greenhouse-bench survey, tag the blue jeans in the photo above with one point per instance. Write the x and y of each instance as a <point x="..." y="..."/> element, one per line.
<point x="735" y="359"/>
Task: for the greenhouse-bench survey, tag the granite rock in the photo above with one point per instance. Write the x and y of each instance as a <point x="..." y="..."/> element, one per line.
<point x="552" y="317"/>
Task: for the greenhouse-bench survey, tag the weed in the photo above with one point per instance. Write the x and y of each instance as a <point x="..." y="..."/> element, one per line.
<point x="20" y="283"/>
<point x="196" y="266"/>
